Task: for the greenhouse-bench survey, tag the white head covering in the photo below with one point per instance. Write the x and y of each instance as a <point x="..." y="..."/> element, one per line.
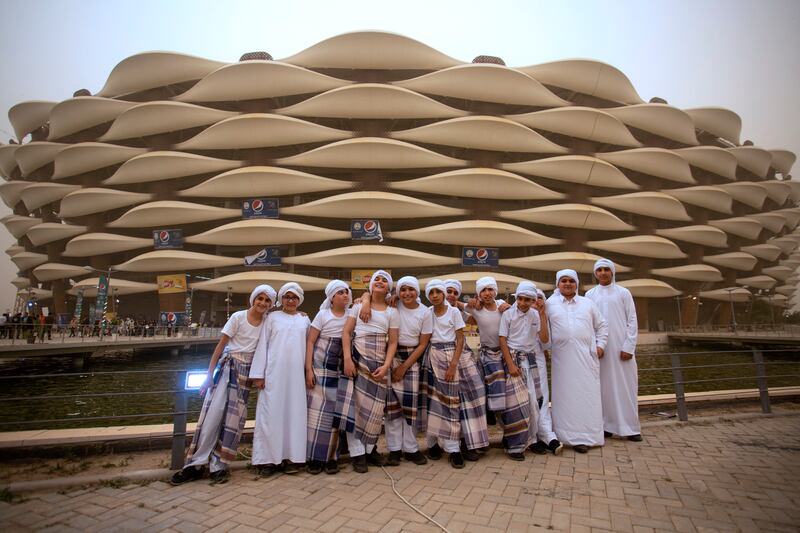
<point x="540" y="294"/>
<point x="384" y="274"/>
<point x="265" y="289"/>
<point x="435" y="284"/>
<point x="409" y="281"/>
<point x="606" y="263"/>
<point x="526" y="288"/>
<point x="293" y="288"/>
<point x="570" y="273"/>
<point x="453" y="284"/>
<point x="331" y="289"/>
<point x="484" y="283"/>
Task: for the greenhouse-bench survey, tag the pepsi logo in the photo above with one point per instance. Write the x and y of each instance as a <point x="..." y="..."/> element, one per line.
<point x="262" y="254"/>
<point x="482" y="254"/>
<point x="258" y="206"/>
<point x="370" y="226"/>
<point x="101" y="286"/>
<point x="171" y="318"/>
<point x="163" y="236"/>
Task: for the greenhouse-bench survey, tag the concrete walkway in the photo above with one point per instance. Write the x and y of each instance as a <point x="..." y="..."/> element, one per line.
<point x="719" y="475"/>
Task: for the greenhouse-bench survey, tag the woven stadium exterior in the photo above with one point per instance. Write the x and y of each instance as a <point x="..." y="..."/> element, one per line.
<point x="514" y="171"/>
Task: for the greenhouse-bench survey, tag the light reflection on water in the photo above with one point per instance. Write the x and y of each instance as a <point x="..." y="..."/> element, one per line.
<point x="166" y="378"/>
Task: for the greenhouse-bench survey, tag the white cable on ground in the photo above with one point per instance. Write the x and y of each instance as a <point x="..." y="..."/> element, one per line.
<point x="430" y="519"/>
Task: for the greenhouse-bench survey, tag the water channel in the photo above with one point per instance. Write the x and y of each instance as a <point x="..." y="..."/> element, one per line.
<point x="158" y="374"/>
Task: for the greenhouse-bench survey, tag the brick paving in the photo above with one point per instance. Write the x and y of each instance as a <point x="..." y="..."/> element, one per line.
<point x="725" y="475"/>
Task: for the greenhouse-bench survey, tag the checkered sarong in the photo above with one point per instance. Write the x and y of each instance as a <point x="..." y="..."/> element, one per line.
<point x="515" y="418"/>
<point x="494" y="376"/>
<point x="369" y="353"/>
<point x="519" y="355"/>
<point x="472" y="398"/>
<point x="323" y="435"/>
<point x="237" y="364"/>
<point x="443" y="400"/>
<point x="403" y="396"/>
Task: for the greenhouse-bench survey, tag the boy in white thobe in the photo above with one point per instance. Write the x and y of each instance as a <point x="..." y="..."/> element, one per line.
<point x="619" y="376"/>
<point x="578" y="334"/>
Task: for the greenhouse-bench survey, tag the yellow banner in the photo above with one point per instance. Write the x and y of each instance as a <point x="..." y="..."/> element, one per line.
<point x="359" y="279"/>
<point x="170" y="283"/>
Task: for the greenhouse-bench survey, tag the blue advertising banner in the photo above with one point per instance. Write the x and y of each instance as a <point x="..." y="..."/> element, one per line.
<point x="260" y="208"/>
<point x="102" y="297"/>
<point x="366" y="230"/>
<point x="173" y="318"/>
<point x="473" y="256"/>
<point x="270" y="256"/>
<point x="166" y="239"/>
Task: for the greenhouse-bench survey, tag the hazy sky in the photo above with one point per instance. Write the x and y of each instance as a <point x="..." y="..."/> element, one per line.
<point x="731" y="53"/>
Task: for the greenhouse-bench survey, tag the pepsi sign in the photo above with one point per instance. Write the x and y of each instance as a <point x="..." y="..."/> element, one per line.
<point x="266" y="257"/>
<point x="173" y="318"/>
<point x="366" y="230"/>
<point x="260" y="208"/>
<point x="164" y="239"/>
<point x="473" y="256"/>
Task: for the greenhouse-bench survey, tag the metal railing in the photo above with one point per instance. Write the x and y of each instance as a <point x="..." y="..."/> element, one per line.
<point x="58" y="334"/>
<point x="725" y="367"/>
<point x="783" y="330"/>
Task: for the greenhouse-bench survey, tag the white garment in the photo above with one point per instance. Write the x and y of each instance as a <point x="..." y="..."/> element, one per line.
<point x="214" y="418"/>
<point x="328" y="324"/>
<point x="280" y="432"/>
<point x="244" y="336"/>
<point x="576" y="329"/>
<point x="488" y="325"/>
<point x="413" y="323"/>
<point x="445" y="326"/>
<point x="619" y="379"/>
<point x="356" y="447"/>
<point x="379" y="321"/>
<point x="521" y="330"/>
<point x="545" y="431"/>
<point x="400" y="436"/>
<point x="448" y="445"/>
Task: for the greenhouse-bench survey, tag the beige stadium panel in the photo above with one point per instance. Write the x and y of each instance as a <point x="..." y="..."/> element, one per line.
<point x="580" y="122"/>
<point x="39" y="194"/>
<point x="265" y="231"/>
<point x="34" y="155"/>
<point x="758" y="282"/>
<point x="92" y="244"/>
<point x="728" y="294"/>
<point x="171" y="213"/>
<point x="48" y="232"/>
<point x="768" y="252"/>
<point x="659" y="119"/>
<point x="18" y="225"/>
<point x="52" y="271"/>
<point x="371" y="152"/>
<point x="88" y="156"/>
<point x="717" y="121"/>
<point x="11" y="192"/>
<point x="369" y="204"/>
<point x="83" y="112"/>
<point x="506" y="283"/>
<point x="580" y="261"/>
<point x="703" y="235"/>
<point x="712" y="159"/>
<point x="120" y="287"/>
<point x="151" y="118"/>
<point x="586" y="76"/>
<point x="783" y="160"/>
<point x="739" y="226"/>
<point x="243" y="282"/>
<point x="476" y="233"/>
<point x="658" y="162"/>
<point x="96" y="200"/>
<point x="640" y="245"/>
<point x="164" y="165"/>
<point x="734" y="260"/>
<point x="570" y="216"/>
<point x="28" y="260"/>
<point x="651" y="204"/>
<point x="175" y="260"/>
<point x="8" y="161"/>
<point x="753" y="159"/>
<point x="747" y="192"/>
<point x="372" y="256"/>
<point x="705" y="273"/>
<point x="707" y="196"/>
<point x="263" y="181"/>
<point x="27" y="117"/>
<point x="585" y="170"/>
<point x="488" y="183"/>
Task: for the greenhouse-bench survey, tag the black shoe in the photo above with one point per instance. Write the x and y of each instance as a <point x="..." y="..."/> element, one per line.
<point x="482" y="451"/>
<point x="491" y="419"/>
<point x="456" y="460"/>
<point x="375" y="459"/>
<point x="516" y="456"/>
<point x="290" y="468"/>
<point x="190" y="473"/>
<point x="634" y="438"/>
<point x="581" y="448"/>
<point x="360" y="464"/>
<point x="416" y="457"/>
<point x="470" y="455"/>
<point x="608" y="434"/>
<point x="266" y="470"/>
<point x="220" y="476"/>
<point x="555" y="446"/>
<point x="332" y="467"/>
<point x="435" y="452"/>
<point x="538" y="447"/>
<point x="394" y="458"/>
<point x="314" y="467"/>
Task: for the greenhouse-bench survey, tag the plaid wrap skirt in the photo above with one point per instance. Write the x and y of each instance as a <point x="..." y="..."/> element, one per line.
<point x="369" y="353"/>
<point x="402" y="399"/>
<point x="494" y="376"/>
<point x="323" y="433"/>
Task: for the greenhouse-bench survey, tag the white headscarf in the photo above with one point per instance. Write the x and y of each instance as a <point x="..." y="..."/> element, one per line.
<point x="453" y="284"/>
<point x="331" y="289"/>
<point x="265" y="289"/>
<point x="384" y="274"/>
<point x="409" y="281"/>
<point x="540" y="294"/>
<point x="570" y="273"/>
<point x="484" y="283"/>
<point x="606" y="263"/>
<point x="526" y="288"/>
<point x="435" y="284"/>
<point x="293" y="288"/>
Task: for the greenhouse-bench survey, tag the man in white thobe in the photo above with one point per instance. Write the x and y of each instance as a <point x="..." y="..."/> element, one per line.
<point x="619" y="377"/>
<point x="578" y="334"/>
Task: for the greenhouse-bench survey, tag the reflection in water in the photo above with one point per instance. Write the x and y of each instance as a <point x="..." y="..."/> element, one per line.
<point x="159" y="374"/>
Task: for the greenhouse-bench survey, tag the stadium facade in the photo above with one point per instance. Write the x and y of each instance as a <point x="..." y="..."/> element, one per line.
<point x="513" y="171"/>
